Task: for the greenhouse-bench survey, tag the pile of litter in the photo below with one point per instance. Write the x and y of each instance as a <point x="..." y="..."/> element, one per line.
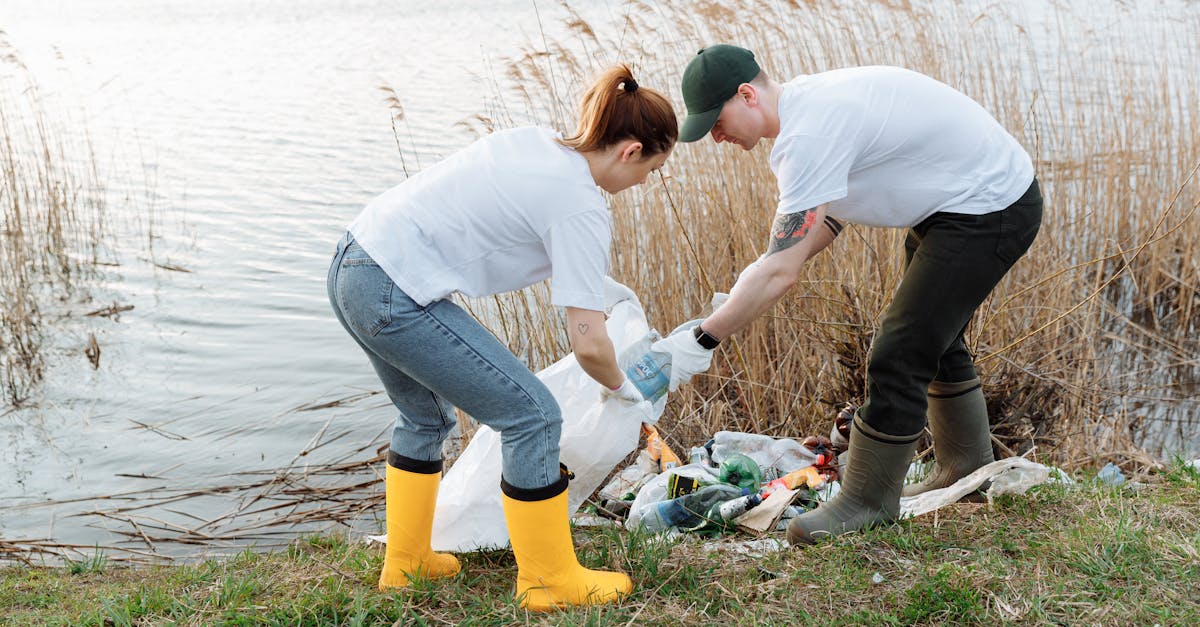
<point x="734" y="480"/>
<point x="752" y="483"/>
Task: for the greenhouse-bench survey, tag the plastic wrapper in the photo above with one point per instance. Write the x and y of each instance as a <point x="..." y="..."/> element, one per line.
<point x="783" y="454"/>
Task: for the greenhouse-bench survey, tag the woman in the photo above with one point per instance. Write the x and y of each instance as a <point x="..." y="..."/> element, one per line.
<point x="508" y="211"/>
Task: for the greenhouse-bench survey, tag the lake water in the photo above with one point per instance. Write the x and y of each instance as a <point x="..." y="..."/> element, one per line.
<point x="252" y="132"/>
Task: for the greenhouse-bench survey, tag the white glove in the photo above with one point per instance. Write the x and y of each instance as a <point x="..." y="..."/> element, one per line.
<point x="688" y="358"/>
<point x="628" y="392"/>
<point x="632" y="398"/>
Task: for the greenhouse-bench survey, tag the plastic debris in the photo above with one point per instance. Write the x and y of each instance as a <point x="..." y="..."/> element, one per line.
<point x="590" y="520"/>
<point x="936" y="499"/>
<point x="658" y="449"/>
<point x="662" y="503"/>
<point x="784" y="454"/>
<point x="767" y="514"/>
<point x="1017" y="481"/>
<point x="1111" y="475"/>
<point x="741" y="471"/>
<point x="655" y="490"/>
<point x="751" y="548"/>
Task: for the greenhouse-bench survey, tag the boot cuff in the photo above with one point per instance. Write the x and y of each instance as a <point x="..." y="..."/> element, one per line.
<point x="417" y="466"/>
<point x="538" y="494"/>
<point x="941" y="389"/>
<point x="866" y="431"/>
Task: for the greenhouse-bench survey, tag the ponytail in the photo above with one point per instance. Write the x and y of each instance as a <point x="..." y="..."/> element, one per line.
<point x="615" y="108"/>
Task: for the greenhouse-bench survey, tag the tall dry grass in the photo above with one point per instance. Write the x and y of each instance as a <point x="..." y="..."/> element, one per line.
<point x="53" y="217"/>
<point x="1088" y="349"/>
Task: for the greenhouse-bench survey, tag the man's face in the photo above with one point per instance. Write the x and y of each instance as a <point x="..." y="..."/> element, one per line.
<point x="741" y="120"/>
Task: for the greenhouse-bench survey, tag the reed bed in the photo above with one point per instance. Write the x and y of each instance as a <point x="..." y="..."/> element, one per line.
<point x="52" y="222"/>
<point x="1088" y="349"/>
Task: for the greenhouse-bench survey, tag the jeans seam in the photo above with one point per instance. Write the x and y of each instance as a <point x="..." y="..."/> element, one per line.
<point x="449" y="332"/>
<point x="446" y="420"/>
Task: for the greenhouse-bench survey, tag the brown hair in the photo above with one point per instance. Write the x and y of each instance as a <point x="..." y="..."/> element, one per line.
<point x="615" y="107"/>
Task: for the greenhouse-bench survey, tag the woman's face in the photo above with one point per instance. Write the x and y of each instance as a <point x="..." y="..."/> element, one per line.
<point x="634" y="170"/>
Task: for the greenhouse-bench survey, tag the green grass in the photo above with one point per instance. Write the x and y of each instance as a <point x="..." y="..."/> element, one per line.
<point x="1088" y="554"/>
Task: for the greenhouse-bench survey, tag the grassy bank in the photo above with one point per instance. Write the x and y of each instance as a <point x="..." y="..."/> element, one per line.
<point x="1088" y="554"/>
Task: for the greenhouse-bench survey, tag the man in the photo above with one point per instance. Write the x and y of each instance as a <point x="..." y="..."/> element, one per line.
<point x="878" y="146"/>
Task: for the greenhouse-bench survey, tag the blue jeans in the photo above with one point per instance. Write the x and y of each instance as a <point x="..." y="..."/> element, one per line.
<point x="433" y="358"/>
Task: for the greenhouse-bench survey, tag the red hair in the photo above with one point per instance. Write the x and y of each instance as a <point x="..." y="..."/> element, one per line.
<point x="615" y="108"/>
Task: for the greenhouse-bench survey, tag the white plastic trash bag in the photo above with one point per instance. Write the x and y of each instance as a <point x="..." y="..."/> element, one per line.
<point x="596" y="436"/>
<point x="784" y="454"/>
<point x="1012" y="475"/>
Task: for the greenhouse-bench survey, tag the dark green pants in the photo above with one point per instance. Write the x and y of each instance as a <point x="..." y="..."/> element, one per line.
<point x="952" y="262"/>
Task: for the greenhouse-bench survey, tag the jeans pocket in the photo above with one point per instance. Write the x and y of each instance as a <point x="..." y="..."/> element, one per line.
<point x="364" y="292"/>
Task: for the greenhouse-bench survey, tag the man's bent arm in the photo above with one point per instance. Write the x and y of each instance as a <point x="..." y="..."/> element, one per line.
<point x="795" y="237"/>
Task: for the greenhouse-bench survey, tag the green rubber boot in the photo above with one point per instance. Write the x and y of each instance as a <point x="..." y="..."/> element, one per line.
<point x="870" y="487"/>
<point x="962" y="441"/>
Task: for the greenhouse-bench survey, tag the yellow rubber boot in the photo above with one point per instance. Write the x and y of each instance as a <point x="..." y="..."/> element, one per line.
<point x="548" y="573"/>
<point x="411" y="496"/>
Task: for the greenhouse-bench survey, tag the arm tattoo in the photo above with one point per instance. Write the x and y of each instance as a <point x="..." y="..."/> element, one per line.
<point x="789" y="229"/>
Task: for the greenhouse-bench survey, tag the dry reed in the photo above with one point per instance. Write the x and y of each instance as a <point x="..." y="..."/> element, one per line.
<point x="53" y="217"/>
<point x="1088" y="349"/>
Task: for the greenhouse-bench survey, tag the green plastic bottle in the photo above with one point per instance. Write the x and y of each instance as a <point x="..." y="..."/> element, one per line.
<point x="741" y="471"/>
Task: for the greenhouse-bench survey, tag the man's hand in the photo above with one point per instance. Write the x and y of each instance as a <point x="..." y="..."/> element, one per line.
<point x="688" y="358"/>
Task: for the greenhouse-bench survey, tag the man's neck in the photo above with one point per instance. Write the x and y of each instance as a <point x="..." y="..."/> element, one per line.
<point x="769" y="98"/>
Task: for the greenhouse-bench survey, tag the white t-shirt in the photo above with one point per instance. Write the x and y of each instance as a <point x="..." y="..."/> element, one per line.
<point x="511" y="209"/>
<point x="885" y="146"/>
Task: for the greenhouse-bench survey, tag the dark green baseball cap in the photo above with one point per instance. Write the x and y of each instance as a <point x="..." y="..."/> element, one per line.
<point x="712" y="77"/>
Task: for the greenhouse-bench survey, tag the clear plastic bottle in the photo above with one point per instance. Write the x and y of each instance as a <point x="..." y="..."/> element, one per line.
<point x="651" y="374"/>
<point x="687" y="511"/>
<point x="664" y="515"/>
<point x="729" y="510"/>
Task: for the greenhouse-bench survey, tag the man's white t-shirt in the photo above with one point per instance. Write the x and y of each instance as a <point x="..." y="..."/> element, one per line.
<point x="885" y="146"/>
<point x="511" y="209"/>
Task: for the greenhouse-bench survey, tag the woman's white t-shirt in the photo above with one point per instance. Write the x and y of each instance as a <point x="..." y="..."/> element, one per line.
<point x="885" y="146"/>
<point x="511" y="209"/>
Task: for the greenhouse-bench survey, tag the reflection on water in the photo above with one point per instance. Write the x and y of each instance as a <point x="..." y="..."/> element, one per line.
<point x="252" y="133"/>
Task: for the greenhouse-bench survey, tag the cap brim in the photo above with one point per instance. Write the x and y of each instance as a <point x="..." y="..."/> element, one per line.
<point x="697" y="125"/>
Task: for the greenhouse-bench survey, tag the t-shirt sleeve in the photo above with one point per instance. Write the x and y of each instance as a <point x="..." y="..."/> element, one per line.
<point x="578" y="247"/>
<point x="811" y="170"/>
